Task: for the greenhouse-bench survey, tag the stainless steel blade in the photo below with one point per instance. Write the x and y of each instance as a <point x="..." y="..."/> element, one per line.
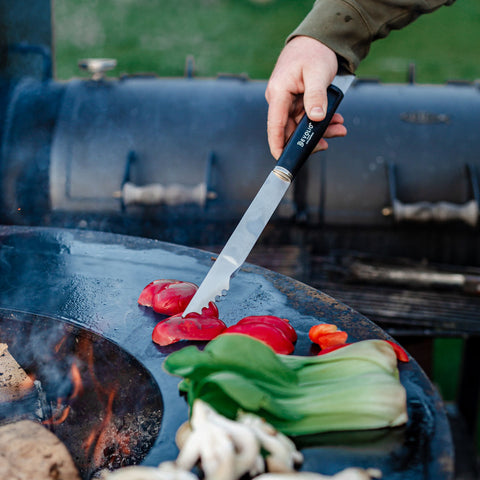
<point x="240" y="243"/>
<point x="343" y="82"/>
<point x="298" y="148"/>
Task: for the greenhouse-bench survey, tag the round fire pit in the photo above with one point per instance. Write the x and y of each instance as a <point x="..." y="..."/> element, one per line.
<point x="89" y="282"/>
<point x="96" y="398"/>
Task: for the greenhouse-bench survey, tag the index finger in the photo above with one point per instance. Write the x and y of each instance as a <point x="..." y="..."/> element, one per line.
<point x="277" y="120"/>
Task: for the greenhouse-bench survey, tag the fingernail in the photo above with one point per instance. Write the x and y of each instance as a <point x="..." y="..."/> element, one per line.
<point x="317" y="112"/>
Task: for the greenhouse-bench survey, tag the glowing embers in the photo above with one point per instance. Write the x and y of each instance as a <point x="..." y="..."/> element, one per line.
<point x="97" y="399"/>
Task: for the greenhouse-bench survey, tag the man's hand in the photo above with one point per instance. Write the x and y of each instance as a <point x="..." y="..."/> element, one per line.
<point x="298" y="85"/>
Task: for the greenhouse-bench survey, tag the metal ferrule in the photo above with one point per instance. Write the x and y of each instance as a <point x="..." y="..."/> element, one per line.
<point x="283" y="174"/>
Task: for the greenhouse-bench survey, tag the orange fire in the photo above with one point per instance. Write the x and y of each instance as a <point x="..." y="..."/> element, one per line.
<point x="63" y="407"/>
<point x="107" y="435"/>
<point x="59" y="416"/>
<point x="106" y="445"/>
<point x="77" y="381"/>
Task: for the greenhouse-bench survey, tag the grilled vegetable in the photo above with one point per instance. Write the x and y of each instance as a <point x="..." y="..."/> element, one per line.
<point x="228" y="449"/>
<point x="352" y="388"/>
<point x="268" y="334"/>
<point x="165" y="471"/>
<point x="402" y="355"/>
<point x="327" y="335"/>
<point x="351" y="473"/>
<point x="170" y="297"/>
<point x="193" y="327"/>
<point x="281" y="323"/>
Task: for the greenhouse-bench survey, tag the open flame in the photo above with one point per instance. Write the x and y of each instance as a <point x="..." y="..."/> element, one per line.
<point x="63" y="406"/>
<point x="107" y="442"/>
<point x="85" y="390"/>
<point x="105" y="445"/>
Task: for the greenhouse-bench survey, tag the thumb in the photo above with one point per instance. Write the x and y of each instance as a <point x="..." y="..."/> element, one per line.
<point x="315" y="99"/>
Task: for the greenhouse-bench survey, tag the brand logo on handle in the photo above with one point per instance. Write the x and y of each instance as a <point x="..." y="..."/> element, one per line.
<point x="307" y="135"/>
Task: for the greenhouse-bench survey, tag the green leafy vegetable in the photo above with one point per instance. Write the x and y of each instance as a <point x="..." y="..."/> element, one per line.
<point x="355" y="387"/>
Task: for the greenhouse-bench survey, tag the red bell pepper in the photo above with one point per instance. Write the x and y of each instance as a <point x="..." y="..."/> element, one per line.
<point x="171" y="297"/>
<point x="193" y="327"/>
<point x="332" y="339"/>
<point x="327" y="335"/>
<point x="400" y="353"/>
<point x="146" y="297"/>
<point x="325" y="350"/>
<point x="321" y="329"/>
<point x="268" y="334"/>
<point x="282" y="323"/>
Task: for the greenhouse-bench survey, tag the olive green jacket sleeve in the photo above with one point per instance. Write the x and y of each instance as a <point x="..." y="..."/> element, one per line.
<point x="348" y="27"/>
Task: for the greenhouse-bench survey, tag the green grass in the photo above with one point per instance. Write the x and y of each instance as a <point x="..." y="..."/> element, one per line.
<point x="446" y="365"/>
<point x="242" y="36"/>
<point x="444" y="45"/>
<point x="234" y="36"/>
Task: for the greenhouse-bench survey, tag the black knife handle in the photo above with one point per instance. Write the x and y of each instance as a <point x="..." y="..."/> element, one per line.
<point x="307" y="134"/>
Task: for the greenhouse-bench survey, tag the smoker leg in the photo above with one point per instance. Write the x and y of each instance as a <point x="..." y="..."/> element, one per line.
<point x="469" y="387"/>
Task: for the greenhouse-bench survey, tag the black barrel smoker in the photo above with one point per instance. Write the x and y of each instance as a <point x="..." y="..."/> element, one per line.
<point x="118" y="150"/>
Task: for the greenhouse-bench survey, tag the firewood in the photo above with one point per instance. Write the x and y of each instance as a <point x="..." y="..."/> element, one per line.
<point x="14" y="382"/>
<point x="29" y="451"/>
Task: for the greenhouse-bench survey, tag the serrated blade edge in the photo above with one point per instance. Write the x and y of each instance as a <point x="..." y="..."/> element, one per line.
<point x="240" y="243"/>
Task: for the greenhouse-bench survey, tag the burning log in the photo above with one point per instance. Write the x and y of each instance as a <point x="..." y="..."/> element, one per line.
<point x="28" y="450"/>
<point x="14" y="381"/>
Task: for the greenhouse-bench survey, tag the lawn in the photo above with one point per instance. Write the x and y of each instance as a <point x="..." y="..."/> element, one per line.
<point x="245" y="36"/>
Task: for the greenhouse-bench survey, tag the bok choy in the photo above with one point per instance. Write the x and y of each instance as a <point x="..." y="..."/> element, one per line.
<point x="353" y="388"/>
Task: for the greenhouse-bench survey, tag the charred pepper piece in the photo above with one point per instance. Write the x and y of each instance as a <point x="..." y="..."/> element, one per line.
<point x="327" y="335"/>
<point x="194" y="327"/>
<point x="170" y="297"/>
<point x="281" y="323"/>
<point x="267" y="334"/>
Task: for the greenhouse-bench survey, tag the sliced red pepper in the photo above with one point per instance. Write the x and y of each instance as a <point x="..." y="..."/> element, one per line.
<point x="193" y="327"/>
<point x="332" y="339"/>
<point x="268" y="334"/>
<point x="325" y="350"/>
<point x="317" y="331"/>
<point x="146" y="297"/>
<point x="401" y="354"/>
<point x="210" y="311"/>
<point x="327" y="335"/>
<point x="282" y="323"/>
<point x="171" y="297"/>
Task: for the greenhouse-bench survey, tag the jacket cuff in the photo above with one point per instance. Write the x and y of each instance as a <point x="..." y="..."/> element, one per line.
<point x="346" y="32"/>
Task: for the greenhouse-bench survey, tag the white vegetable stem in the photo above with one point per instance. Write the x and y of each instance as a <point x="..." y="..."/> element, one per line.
<point x="228" y="449"/>
<point x="347" y="474"/>
<point x="166" y="471"/>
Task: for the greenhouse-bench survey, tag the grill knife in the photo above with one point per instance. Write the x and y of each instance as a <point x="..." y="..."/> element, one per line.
<point x="298" y="148"/>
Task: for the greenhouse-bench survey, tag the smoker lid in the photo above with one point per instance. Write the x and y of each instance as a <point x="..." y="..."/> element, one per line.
<point x="93" y="280"/>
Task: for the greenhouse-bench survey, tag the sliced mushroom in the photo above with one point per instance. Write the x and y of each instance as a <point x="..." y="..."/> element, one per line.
<point x="283" y="455"/>
<point x="347" y="474"/>
<point x="247" y="446"/>
<point x="166" y="471"/>
<point x="182" y="434"/>
<point x="208" y="444"/>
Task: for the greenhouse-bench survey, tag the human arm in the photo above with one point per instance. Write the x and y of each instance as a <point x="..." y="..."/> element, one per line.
<point x="298" y="84"/>
<point x="348" y="27"/>
<point x="335" y="35"/>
